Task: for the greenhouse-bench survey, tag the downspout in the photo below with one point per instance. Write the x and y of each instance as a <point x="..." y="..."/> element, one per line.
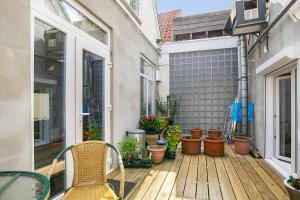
<point x="244" y="84"/>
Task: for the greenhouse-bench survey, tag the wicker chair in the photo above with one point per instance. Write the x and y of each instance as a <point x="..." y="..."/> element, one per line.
<point x="89" y="178"/>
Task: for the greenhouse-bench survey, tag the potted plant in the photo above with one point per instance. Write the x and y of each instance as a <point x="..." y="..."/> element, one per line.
<point x="293" y="187"/>
<point x="196" y="132"/>
<point x="172" y="138"/>
<point x="167" y="109"/>
<point x="152" y="127"/>
<point x="214" y="133"/>
<point x="242" y="144"/>
<point x="191" y="145"/>
<point x="128" y="148"/>
<point x="157" y="153"/>
<point x="214" y="146"/>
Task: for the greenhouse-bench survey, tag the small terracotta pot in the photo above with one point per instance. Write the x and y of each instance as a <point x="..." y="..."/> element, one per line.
<point x="294" y="194"/>
<point x="214" y="146"/>
<point x="214" y="133"/>
<point x="157" y="153"/>
<point x="242" y="145"/>
<point x="151" y="139"/>
<point x="196" y="133"/>
<point x="191" y="145"/>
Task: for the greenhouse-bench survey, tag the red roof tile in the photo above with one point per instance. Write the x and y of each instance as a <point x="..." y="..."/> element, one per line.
<point x="165" y="21"/>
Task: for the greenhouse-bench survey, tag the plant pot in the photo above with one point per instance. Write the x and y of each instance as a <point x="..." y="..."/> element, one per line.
<point x="170" y="154"/>
<point x="191" y="145"/>
<point x="214" y="133"/>
<point x="214" y="146"/>
<point x="196" y="133"/>
<point x="157" y="153"/>
<point x="151" y="137"/>
<point x="242" y="145"/>
<point x="294" y="194"/>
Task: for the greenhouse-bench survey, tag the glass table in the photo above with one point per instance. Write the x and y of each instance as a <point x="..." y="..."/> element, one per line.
<point x="15" y="185"/>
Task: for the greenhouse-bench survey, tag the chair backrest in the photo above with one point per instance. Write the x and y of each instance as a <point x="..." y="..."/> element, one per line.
<point x="89" y="163"/>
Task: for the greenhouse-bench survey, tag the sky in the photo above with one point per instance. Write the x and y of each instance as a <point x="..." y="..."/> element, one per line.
<point x="192" y="7"/>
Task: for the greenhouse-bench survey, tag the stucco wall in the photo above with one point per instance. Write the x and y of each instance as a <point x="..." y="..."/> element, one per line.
<point x="15" y="86"/>
<point x="283" y="34"/>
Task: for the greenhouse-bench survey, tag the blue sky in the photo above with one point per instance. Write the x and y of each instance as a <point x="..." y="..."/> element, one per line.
<point x="191" y="7"/>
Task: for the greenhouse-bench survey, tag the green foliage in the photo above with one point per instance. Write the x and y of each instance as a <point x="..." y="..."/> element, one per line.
<point x="294" y="182"/>
<point x="94" y="132"/>
<point x="128" y="147"/>
<point x="162" y="123"/>
<point x="173" y="137"/>
<point x="167" y="108"/>
<point x="150" y="123"/>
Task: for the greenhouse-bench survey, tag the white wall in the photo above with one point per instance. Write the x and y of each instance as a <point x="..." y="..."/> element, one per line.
<point x="187" y="46"/>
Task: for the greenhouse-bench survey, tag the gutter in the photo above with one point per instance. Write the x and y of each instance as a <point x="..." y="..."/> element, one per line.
<point x="273" y="23"/>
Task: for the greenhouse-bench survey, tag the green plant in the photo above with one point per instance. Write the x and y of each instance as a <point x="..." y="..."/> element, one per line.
<point x="162" y="123"/>
<point x="128" y="147"/>
<point x="150" y="123"/>
<point x="168" y="107"/>
<point x="294" y="182"/>
<point x="173" y="137"/>
<point x="94" y="132"/>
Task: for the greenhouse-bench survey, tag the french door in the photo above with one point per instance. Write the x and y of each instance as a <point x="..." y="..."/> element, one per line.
<point x="92" y="94"/>
<point x="285" y="118"/>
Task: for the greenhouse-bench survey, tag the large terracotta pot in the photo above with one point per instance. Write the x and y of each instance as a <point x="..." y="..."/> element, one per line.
<point x="214" y="146"/>
<point x="196" y="132"/>
<point x="191" y="145"/>
<point x="214" y="133"/>
<point x="157" y="153"/>
<point x="242" y="145"/>
<point x="294" y="194"/>
<point x="151" y="137"/>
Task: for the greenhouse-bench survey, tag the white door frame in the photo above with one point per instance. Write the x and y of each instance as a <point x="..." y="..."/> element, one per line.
<point x="40" y="12"/>
<point x="271" y="127"/>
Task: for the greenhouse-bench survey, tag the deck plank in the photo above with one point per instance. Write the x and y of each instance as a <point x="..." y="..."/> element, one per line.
<point x="167" y="187"/>
<point x="277" y="191"/>
<point x="191" y="181"/>
<point x="202" y="187"/>
<point x="178" y="189"/>
<point x="213" y="182"/>
<point x="226" y="188"/>
<point x="157" y="183"/>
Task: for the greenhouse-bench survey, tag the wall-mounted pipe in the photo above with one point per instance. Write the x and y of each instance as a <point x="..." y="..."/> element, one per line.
<point x="272" y="24"/>
<point x="244" y="84"/>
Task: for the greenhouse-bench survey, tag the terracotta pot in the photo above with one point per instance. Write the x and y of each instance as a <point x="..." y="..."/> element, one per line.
<point x="191" y="145"/>
<point x="242" y="145"/>
<point x="151" y="139"/>
<point x="196" y="133"/>
<point x="157" y="153"/>
<point x="214" y="146"/>
<point x="214" y="133"/>
<point x="294" y="194"/>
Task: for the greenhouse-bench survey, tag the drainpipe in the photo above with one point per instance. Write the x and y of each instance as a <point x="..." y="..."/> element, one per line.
<point x="244" y="84"/>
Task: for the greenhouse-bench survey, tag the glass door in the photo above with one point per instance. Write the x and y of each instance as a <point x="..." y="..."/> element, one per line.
<point x="90" y="91"/>
<point x="285" y="106"/>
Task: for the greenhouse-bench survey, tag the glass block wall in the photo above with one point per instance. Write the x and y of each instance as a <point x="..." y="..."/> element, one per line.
<point x="205" y="82"/>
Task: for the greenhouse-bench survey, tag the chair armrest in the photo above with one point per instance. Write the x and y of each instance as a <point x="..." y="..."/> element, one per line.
<point x="122" y="171"/>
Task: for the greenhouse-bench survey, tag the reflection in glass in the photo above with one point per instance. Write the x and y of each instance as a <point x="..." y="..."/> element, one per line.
<point x="285" y="117"/>
<point x="49" y="98"/>
<point x="67" y="12"/>
<point x="93" y="96"/>
<point x="143" y="96"/>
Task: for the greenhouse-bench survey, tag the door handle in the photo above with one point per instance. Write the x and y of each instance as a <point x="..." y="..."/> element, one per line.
<point x="84" y="114"/>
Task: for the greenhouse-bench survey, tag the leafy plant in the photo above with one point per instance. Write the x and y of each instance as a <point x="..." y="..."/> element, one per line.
<point x="94" y="132"/>
<point x="151" y="124"/>
<point x="294" y="182"/>
<point x="128" y="147"/>
<point x="173" y="137"/>
<point x="169" y="107"/>
<point x="162" y="123"/>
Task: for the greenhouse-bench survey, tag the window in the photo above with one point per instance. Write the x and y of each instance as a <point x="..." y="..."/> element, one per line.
<point x="135" y="5"/>
<point x="217" y="33"/>
<point x="250" y="4"/>
<point x="183" y="37"/>
<point x="70" y="14"/>
<point x="147" y="88"/>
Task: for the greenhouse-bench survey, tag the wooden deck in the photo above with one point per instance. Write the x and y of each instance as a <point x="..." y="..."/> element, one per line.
<point x="202" y="177"/>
